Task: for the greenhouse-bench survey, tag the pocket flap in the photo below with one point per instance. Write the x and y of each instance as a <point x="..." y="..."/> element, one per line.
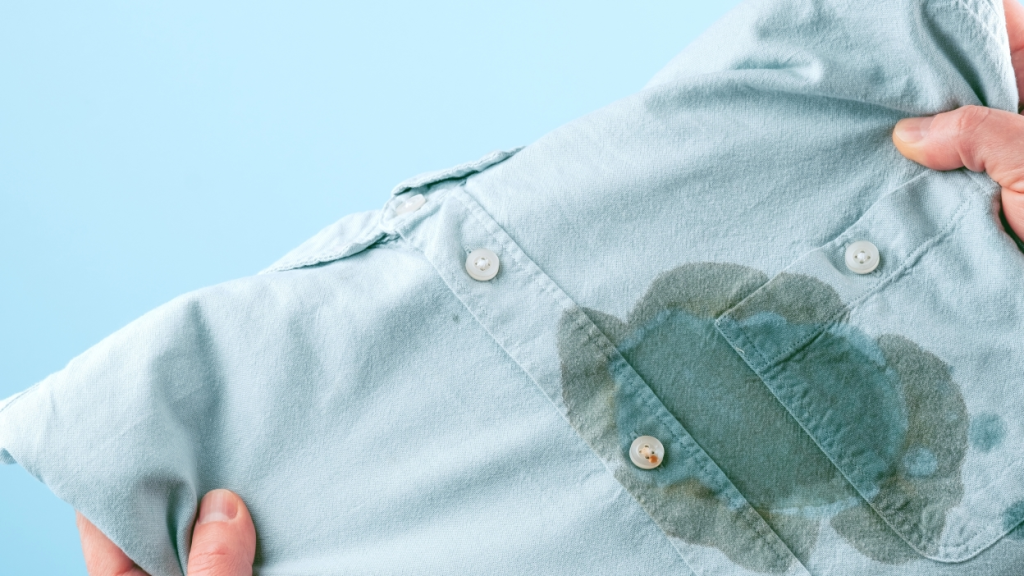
<point x="906" y="377"/>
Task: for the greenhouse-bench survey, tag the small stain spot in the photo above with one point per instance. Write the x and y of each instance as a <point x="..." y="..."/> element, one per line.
<point x="653" y="458"/>
<point x="986" y="432"/>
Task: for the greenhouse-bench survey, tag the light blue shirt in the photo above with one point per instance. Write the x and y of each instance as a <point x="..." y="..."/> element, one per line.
<point x="674" y="266"/>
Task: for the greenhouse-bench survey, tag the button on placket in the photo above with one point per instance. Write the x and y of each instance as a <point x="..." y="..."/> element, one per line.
<point x="647" y="452"/>
<point x="457" y="224"/>
<point x="862" y="257"/>
<point x="482" y="264"/>
<point x="410" y="204"/>
<point x="402" y="208"/>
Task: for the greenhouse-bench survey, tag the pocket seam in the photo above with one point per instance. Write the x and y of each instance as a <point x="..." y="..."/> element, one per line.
<point x="770" y="368"/>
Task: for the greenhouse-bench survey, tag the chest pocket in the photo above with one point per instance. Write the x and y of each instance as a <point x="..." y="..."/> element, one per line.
<point x="907" y="376"/>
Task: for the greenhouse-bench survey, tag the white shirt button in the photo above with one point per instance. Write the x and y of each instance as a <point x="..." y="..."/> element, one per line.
<point x="482" y="264"/>
<point x="862" y="257"/>
<point x="647" y="452"/>
<point x="411" y="204"/>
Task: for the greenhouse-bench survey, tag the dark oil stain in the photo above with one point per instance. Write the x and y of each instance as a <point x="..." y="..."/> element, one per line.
<point x="1011" y="520"/>
<point x="937" y="424"/>
<point x="865" y="530"/>
<point x="685" y="508"/>
<point x="898" y="401"/>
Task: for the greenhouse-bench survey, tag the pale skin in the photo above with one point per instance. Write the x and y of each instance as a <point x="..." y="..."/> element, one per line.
<point x="980" y="139"/>
<point x="223" y="542"/>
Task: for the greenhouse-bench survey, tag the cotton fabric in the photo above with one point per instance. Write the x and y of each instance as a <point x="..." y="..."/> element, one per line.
<point x="671" y="265"/>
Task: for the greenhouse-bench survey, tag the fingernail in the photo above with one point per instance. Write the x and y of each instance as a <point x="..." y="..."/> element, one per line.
<point x="217" y="506"/>
<point x="912" y="130"/>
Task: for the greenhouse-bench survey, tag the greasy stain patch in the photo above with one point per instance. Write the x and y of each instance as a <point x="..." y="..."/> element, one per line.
<point x="899" y="402"/>
<point x="1011" y="520"/>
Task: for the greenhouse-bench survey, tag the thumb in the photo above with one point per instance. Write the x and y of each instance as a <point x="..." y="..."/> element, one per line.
<point x="980" y="139"/>
<point x="224" y="539"/>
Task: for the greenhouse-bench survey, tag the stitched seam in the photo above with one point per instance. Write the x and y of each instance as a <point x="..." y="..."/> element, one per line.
<point x="982" y="532"/>
<point x="707" y="466"/>
<point x="766" y="360"/>
<point x="827" y="444"/>
<point x="900" y="524"/>
<point x="464" y="296"/>
<point x="600" y="342"/>
<point x="881" y="283"/>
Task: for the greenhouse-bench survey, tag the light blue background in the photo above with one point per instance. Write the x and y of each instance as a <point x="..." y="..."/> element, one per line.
<point x="150" y="149"/>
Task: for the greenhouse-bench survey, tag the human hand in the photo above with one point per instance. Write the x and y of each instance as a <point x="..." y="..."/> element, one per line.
<point x="982" y="139"/>
<point x="223" y="542"/>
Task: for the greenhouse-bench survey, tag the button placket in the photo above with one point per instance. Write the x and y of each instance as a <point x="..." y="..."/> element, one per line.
<point x="520" y="308"/>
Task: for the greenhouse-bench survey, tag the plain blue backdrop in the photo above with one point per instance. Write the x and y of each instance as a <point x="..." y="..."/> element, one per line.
<point x="149" y="149"/>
